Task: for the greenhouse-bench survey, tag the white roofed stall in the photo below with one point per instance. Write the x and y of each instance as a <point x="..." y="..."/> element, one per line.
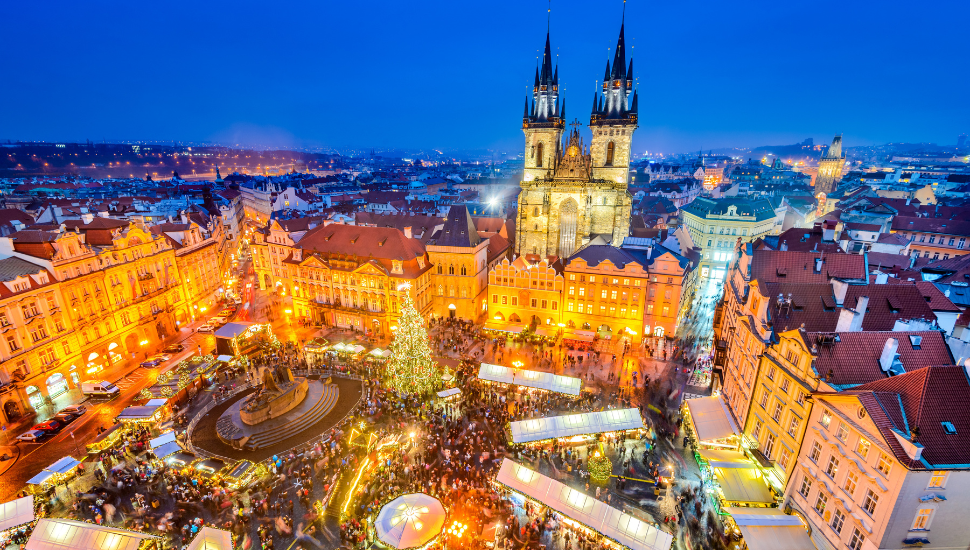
<point x="16" y="512"/>
<point x="530" y="378"/>
<point x="770" y="529"/>
<point x="618" y="526"/>
<point x="164" y="445"/>
<point x="571" y="425"/>
<point x="64" y="534"/>
<point x="711" y="422"/>
<point x="210" y="538"/>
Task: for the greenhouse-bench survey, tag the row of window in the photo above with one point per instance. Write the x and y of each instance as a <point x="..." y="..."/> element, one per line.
<point x="962" y="242"/>
<point x="535" y="302"/>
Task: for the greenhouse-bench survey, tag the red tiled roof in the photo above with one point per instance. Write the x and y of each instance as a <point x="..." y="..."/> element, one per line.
<point x="929" y="396"/>
<point x="931" y="225"/>
<point x="799" y="267"/>
<point x="854" y="358"/>
<point x="381" y="243"/>
<point x="887" y="304"/>
<point x="802" y="239"/>
<point x="936" y="299"/>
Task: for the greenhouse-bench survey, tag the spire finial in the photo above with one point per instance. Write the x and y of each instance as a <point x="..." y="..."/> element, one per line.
<point x="622" y="19"/>
<point x="549" y="16"/>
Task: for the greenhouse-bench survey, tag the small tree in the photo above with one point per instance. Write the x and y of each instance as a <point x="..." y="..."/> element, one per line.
<point x="411" y="369"/>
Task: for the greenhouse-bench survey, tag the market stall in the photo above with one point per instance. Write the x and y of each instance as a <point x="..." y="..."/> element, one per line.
<point x="54" y="474"/>
<point x="498" y="374"/>
<point x="150" y="412"/>
<point x="508" y="328"/>
<point x="575" y="425"/>
<point x="106" y="439"/>
<point x="767" y="529"/>
<point x="62" y="534"/>
<point x="210" y="538"/>
<point x="410" y="521"/>
<point x="710" y="424"/>
<point x="164" y="445"/>
<point x="250" y="339"/>
<point x="616" y="528"/>
<point x="16" y="519"/>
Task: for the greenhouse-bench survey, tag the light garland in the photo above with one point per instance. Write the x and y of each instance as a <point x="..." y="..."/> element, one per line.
<point x="411" y="369"/>
<point x="600" y="468"/>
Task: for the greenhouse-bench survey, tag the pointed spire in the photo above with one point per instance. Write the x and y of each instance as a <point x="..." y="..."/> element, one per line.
<point x="562" y="110"/>
<point x="525" y="113"/>
<point x="633" y="107"/>
<point x="545" y="75"/>
<point x="606" y="76"/>
<point x="629" y="71"/>
<point x="537" y="78"/>
<point x="555" y="77"/>
<point x="595" y="109"/>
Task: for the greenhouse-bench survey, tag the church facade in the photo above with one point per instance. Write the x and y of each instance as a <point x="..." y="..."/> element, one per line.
<point x="571" y="193"/>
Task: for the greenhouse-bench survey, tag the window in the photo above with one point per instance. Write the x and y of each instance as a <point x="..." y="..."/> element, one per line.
<point x="505" y="299"/>
<point x="884" y="465"/>
<point x="862" y="448"/>
<point x="582" y="291"/>
<point x="539" y="156"/>
<point x="494" y="298"/>
<point x="666" y="312"/>
<point x="769" y="444"/>
<point x="771" y="373"/>
<point x="843" y="432"/>
<point x="776" y="415"/>
<point x="869" y="503"/>
<point x="826" y="418"/>
<point x="569" y="306"/>
<point x="793" y="426"/>
<point x="613" y="295"/>
<point x="555" y="305"/>
<point x="784" y="457"/>
<point x="544" y="304"/>
<point x="67" y="347"/>
<point x="816" y="452"/>
<point x="533" y="302"/>
<point x="756" y="433"/>
<point x="515" y="300"/>
<point x="851" y="482"/>
<point x="937" y="480"/>
<point x="857" y="540"/>
<point x="764" y="400"/>
<point x="800" y="399"/>
<point x="820" y="501"/>
<point x="838" y="518"/>
<point x="603" y="294"/>
<point x="922" y="521"/>
<point x="806" y="486"/>
<point x="572" y="291"/>
<point x="785" y="383"/>
<point x="12" y="343"/>
<point x="610" y="148"/>
<point x="833" y="467"/>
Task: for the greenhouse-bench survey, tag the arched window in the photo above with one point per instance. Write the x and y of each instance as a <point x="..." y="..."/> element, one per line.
<point x="463" y="270"/>
<point x="451" y="270"/>
<point x="604" y="201"/>
<point x="441" y="290"/>
<point x="535" y="211"/>
<point x="610" y="147"/>
<point x="539" y="155"/>
<point x="439" y="269"/>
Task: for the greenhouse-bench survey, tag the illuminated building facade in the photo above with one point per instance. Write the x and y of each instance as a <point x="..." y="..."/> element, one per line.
<point x="830" y="168"/>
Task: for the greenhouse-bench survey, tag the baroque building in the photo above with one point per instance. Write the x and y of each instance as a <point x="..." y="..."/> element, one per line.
<point x="571" y="193"/>
<point x="830" y="168"/>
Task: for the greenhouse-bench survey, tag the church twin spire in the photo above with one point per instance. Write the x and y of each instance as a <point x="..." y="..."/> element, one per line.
<point x="546" y="106"/>
<point x="615" y="103"/>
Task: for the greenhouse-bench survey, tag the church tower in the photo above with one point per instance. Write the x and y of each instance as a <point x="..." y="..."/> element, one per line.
<point x="830" y="168"/>
<point x="543" y="123"/>
<point x="614" y="118"/>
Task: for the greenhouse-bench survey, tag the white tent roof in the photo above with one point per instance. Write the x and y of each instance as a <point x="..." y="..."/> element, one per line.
<point x="530" y="378"/>
<point x="166" y="450"/>
<point x="449" y="392"/>
<point x="224" y="359"/>
<point x="167" y="437"/>
<point x="711" y="418"/>
<point x="770" y="528"/>
<point x="63" y="465"/>
<point x="537" y="429"/>
<point x="64" y="534"/>
<point x="743" y="485"/>
<point x="721" y="458"/>
<point x="410" y="521"/>
<point x="210" y="538"/>
<point x="40" y="478"/>
<point x="614" y="524"/>
<point x="16" y="512"/>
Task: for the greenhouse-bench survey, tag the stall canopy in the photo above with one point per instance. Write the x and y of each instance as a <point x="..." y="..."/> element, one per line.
<point x="140" y="412"/>
<point x="410" y="521"/>
<point x="740" y="484"/>
<point x="224" y="358"/>
<point x="579" y="335"/>
<point x="538" y="429"/>
<point x="530" y="378"/>
<point x="63" y="465"/>
<point x="711" y="419"/>
<point x="164" y="445"/>
<point x="547" y="332"/>
<point x="720" y="458"/>
<point x="513" y="328"/>
<point x="211" y="539"/>
<point x="771" y="529"/>
<point x="16" y="512"/>
<point x="63" y="534"/>
<point x="231" y="330"/>
<point x="449" y="392"/>
<point x="40" y="478"/>
<point x="578" y="506"/>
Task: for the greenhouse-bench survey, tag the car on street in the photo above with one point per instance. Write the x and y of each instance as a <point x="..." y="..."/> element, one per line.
<point x="217" y="321"/>
<point x="205" y="328"/>
<point x="238" y="300"/>
<point x="66" y="418"/>
<point x="51" y="426"/>
<point x="150" y="364"/>
<point x="161" y="357"/>
<point x="31" y="436"/>
<point x="75" y="409"/>
<point x="174" y="348"/>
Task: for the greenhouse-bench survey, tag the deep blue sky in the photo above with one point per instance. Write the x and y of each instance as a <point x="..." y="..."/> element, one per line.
<point x="453" y="74"/>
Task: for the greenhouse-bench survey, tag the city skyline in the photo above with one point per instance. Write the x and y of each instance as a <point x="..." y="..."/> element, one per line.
<point x="704" y="81"/>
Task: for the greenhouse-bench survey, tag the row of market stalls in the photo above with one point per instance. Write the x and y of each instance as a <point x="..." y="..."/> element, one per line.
<point x="580" y="511"/>
<point x="742" y="489"/>
<point x="62" y="534"/>
<point x="497" y="374"/>
<point x="575" y="427"/>
<point x="548" y="333"/>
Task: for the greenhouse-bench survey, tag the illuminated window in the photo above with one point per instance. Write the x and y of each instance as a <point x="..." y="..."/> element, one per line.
<point x="843" y="432"/>
<point x="820" y="501"/>
<point x="826" y="418"/>
<point x="833" y="467"/>
<point x="806" y="486"/>
<point x="816" y="452"/>
<point x="922" y="521"/>
<point x="884" y="465"/>
<point x="863" y="448"/>
<point x="851" y="482"/>
<point x="870" y="502"/>
<point x="610" y="149"/>
<point x="838" y="519"/>
<point x="938" y="480"/>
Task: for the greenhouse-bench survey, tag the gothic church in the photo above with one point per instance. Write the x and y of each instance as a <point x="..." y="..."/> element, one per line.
<point x="571" y="193"/>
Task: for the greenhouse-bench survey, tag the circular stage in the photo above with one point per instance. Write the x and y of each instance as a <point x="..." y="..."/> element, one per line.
<point x="222" y="432"/>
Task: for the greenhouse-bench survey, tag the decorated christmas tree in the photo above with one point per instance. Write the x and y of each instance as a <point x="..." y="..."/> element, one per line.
<point x="411" y="369"/>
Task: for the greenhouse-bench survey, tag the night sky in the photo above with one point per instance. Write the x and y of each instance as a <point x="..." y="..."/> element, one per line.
<point x="453" y="75"/>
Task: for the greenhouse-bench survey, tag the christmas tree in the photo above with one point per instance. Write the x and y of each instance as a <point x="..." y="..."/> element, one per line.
<point x="411" y="369"/>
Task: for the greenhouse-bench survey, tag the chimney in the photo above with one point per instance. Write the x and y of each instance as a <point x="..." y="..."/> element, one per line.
<point x="860" y="314"/>
<point x="17" y="225"/>
<point x="845" y="320"/>
<point x="87" y="218"/>
<point x="881" y="278"/>
<point x="818" y="265"/>
<point x="839" y="288"/>
<point x="889" y="354"/>
<point x="407" y="232"/>
<point x="102" y="214"/>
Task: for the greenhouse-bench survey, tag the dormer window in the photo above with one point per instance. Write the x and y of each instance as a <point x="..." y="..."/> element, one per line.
<point x="949" y="428"/>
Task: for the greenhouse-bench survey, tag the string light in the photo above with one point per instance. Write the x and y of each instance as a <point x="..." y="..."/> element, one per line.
<point x="411" y="369"/>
